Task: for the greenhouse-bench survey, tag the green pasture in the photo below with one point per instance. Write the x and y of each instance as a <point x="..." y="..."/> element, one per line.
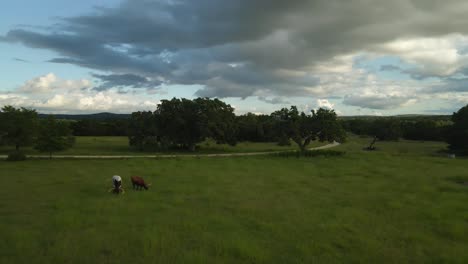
<point x="119" y="146"/>
<point x="403" y="203"/>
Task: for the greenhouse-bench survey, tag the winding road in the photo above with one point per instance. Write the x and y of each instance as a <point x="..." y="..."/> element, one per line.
<point x="331" y="145"/>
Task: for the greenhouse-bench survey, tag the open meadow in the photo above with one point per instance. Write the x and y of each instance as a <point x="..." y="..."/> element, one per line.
<point x="400" y="204"/>
<point x="108" y="145"/>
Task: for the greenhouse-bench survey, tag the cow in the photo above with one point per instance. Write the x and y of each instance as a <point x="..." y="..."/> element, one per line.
<point x="138" y="183"/>
<point x="117" y="183"/>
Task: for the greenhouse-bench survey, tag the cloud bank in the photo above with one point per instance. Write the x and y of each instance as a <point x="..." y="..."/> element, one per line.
<point x="272" y="50"/>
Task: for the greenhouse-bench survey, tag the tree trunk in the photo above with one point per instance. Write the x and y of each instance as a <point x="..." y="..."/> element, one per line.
<point x="303" y="145"/>
<point x="298" y="141"/>
<point x="17" y="147"/>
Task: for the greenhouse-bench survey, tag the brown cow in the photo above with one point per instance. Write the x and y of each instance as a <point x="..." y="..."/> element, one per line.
<point x="139" y="183"/>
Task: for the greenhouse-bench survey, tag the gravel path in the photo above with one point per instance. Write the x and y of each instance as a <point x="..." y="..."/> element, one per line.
<point x="331" y="145"/>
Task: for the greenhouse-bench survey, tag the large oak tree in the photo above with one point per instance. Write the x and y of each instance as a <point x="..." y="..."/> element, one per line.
<point x="183" y="123"/>
<point x="302" y="128"/>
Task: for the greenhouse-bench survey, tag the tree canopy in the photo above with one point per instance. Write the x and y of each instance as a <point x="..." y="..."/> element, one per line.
<point x="18" y="126"/>
<point x="54" y="136"/>
<point x="183" y="123"/>
<point x="321" y="125"/>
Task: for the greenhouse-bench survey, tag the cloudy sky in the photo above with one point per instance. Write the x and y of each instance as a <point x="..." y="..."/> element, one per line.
<point x="358" y="57"/>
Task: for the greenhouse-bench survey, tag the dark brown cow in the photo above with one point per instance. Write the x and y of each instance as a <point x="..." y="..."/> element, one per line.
<point x="139" y="183"/>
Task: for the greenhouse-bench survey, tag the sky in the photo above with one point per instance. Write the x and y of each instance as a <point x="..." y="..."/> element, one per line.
<point x="358" y="57"/>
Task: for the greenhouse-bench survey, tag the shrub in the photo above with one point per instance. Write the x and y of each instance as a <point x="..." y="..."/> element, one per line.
<point x="16" y="156"/>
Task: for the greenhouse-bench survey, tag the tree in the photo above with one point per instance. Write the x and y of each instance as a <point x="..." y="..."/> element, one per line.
<point x="386" y="129"/>
<point x="457" y="135"/>
<point x="54" y="136"/>
<point x="423" y="130"/>
<point x="183" y="123"/>
<point x="358" y="126"/>
<point x="143" y="132"/>
<point x="218" y="120"/>
<point x="257" y="128"/>
<point x="18" y="126"/>
<point x="321" y="125"/>
<point x="88" y="127"/>
<point x="248" y="127"/>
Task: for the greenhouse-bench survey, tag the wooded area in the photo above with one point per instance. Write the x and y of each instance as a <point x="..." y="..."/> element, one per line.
<point x="183" y="123"/>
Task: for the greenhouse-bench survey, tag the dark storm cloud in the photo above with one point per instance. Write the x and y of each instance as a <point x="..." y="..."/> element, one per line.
<point x="198" y="42"/>
<point x="449" y="85"/>
<point x="87" y="52"/>
<point x="414" y="73"/>
<point x="274" y="100"/>
<point x="125" y="80"/>
<point x="377" y="101"/>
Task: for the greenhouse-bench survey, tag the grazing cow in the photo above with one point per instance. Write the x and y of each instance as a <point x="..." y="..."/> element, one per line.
<point x="139" y="183"/>
<point x="117" y="182"/>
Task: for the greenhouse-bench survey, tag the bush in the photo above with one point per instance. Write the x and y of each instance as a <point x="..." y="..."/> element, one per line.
<point x="310" y="153"/>
<point x="16" y="156"/>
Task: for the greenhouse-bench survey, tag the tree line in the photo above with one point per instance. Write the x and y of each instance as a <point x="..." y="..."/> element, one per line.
<point x="183" y="123"/>
<point x="394" y="128"/>
<point x="265" y="128"/>
<point x="175" y="124"/>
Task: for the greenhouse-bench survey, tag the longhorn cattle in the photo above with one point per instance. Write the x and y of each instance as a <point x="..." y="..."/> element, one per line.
<point x="138" y="183"/>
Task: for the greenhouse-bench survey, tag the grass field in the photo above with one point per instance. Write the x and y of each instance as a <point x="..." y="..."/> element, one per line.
<point x="399" y="204"/>
<point x="119" y="146"/>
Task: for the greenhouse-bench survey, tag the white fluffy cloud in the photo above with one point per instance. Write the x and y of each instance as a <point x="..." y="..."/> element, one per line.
<point x="430" y="57"/>
<point x="324" y="103"/>
<point x="51" y="94"/>
<point x="51" y="83"/>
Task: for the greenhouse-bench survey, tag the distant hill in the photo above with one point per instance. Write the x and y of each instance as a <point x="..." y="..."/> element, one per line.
<point x="98" y="116"/>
